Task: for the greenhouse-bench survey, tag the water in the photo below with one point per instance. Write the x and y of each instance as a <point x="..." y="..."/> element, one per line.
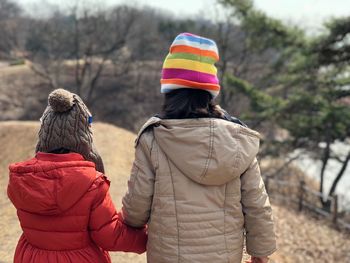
<point x="312" y="168"/>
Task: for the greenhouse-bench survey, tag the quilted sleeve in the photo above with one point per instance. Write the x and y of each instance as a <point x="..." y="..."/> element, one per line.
<point x="138" y="200"/>
<point x="107" y="229"/>
<point x="258" y="220"/>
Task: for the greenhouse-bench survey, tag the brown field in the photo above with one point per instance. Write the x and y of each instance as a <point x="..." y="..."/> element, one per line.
<point x="300" y="238"/>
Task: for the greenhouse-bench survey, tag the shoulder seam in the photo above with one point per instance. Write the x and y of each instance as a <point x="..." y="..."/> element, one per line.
<point x="150" y="123"/>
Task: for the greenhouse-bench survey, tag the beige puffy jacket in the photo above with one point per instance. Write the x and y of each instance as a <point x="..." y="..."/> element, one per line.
<point x="197" y="184"/>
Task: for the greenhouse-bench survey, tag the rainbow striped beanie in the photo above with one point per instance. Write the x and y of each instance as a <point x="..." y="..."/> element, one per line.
<point x="190" y="64"/>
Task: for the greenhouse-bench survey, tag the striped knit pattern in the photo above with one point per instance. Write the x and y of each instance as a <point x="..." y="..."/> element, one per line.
<point x="190" y="64"/>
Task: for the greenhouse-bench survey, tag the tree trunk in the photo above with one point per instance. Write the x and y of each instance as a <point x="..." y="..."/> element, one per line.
<point x="325" y="159"/>
<point x="340" y="175"/>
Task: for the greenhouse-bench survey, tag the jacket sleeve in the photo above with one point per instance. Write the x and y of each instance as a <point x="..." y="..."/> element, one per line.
<point x="107" y="229"/>
<point x="138" y="200"/>
<point x="258" y="220"/>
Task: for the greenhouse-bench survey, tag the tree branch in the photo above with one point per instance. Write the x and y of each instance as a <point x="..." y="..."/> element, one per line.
<point x="340" y="174"/>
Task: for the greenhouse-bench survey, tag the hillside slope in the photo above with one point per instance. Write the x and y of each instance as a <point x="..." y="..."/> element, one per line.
<point x="300" y="238"/>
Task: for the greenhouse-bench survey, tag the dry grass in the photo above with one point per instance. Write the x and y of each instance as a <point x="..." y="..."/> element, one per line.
<point x="18" y="69"/>
<point x="22" y="93"/>
<point x="300" y="238"/>
<point x="303" y="239"/>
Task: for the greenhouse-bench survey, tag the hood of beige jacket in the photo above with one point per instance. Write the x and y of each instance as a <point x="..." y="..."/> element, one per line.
<point x="209" y="151"/>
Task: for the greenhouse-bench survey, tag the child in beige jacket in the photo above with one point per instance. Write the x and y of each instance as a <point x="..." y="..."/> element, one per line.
<point x="195" y="179"/>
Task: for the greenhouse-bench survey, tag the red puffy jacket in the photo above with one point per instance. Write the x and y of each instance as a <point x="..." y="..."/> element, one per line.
<point x="66" y="212"/>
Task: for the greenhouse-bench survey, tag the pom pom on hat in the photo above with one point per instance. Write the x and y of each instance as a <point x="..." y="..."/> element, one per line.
<point x="61" y="100"/>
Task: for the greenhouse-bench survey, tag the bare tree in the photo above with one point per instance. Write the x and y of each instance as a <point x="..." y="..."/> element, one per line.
<point x="84" y="43"/>
<point x="9" y="22"/>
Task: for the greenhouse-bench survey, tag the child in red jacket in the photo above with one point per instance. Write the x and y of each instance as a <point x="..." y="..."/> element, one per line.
<point x="62" y="196"/>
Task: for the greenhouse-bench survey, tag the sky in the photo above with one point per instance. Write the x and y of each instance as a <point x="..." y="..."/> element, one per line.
<point x="308" y="14"/>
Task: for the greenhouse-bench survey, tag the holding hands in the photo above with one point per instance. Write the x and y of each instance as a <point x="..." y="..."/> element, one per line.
<point x="258" y="260"/>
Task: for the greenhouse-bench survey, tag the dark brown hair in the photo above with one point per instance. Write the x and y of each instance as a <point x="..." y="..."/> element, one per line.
<point x="189" y="103"/>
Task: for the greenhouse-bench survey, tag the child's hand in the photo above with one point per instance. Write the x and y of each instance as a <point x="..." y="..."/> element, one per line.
<point x="258" y="260"/>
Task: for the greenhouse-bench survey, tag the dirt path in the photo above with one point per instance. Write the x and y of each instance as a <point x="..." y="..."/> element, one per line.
<point x="3" y="64"/>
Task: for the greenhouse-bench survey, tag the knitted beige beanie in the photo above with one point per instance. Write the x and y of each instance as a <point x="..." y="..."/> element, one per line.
<point x="66" y="123"/>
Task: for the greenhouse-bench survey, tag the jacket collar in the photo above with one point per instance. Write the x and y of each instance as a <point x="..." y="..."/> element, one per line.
<point x="53" y="157"/>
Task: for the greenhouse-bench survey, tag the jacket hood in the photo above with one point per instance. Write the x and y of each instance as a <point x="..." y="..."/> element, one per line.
<point x="207" y="150"/>
<point x="49" y="184"/>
